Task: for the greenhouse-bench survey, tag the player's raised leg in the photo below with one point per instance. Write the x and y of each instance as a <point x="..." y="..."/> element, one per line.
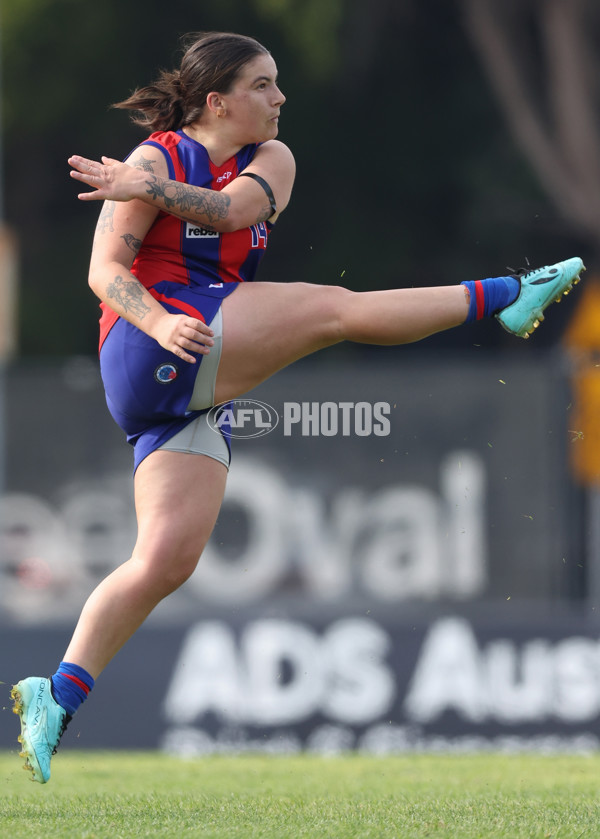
<point x="267" y="326"/>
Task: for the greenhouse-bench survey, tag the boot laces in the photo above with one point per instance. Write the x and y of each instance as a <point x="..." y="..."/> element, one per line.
<point x="519" y="273"/>
<point x="63" y="727"/>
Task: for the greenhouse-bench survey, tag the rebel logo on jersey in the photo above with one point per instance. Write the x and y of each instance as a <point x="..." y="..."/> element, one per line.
<point x="197" y="255"/>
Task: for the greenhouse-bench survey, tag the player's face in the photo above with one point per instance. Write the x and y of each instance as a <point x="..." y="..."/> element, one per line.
<point x="254" y="102"/>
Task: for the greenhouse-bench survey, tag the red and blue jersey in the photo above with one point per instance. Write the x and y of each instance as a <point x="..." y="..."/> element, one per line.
<point x="184" y="252"/>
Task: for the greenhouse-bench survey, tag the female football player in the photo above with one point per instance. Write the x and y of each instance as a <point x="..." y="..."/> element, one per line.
<point x="185" y="326"/>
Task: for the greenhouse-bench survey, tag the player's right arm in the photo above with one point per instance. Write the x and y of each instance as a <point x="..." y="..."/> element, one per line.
<point x="241" y="203"/>
<point x="120" y="231"/>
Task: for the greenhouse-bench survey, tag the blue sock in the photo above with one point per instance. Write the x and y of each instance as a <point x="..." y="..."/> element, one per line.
<point x="486" y="297"/>
<point x="70" y="686"/>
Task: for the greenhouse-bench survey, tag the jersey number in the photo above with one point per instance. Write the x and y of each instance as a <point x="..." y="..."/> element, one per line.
<point x="259" y="235"/>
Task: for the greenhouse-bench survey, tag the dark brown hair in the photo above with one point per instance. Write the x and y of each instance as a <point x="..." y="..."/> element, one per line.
<point x="212" y="62"/>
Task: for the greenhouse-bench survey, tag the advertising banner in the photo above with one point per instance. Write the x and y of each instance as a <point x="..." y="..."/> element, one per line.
<point x="278" y="684"/>
<point x="391" y="570"/>
<point x="396" y="478"/>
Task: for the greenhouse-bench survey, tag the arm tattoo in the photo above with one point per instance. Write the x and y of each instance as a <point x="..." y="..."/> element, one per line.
<point x="129" y="296"/>
<point x="144" y="164"/>
<point x="132" y="243"/>
<point x="105" y="219"/>
<point x="265" y="214"/>
<point x="189" y="202"/>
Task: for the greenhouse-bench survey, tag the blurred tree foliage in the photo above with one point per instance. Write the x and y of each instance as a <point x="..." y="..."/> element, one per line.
<point x="542" y="63"/>
<point x="407" y="173"/>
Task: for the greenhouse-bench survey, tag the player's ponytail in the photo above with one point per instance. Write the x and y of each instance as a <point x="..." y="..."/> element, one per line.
<point x="211" y="63"/>
<point x="159" y="106"/>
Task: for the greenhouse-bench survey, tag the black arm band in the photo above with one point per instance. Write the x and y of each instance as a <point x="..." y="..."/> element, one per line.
<point x="266" y="188"/>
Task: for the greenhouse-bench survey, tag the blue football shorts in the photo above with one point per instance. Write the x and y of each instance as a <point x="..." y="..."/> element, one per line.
<point x="149" y="389"/>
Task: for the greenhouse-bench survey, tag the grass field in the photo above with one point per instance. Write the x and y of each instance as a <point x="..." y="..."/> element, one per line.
<point x="111" y="794"/>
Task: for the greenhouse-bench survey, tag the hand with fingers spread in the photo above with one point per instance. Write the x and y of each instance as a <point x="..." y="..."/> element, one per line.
<point x="111" y="179"/>
<point x="182" y="335"/>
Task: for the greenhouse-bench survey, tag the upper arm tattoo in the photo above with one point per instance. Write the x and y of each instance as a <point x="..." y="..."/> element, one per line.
<point x="189" y="202"/>
<point x="144" y="164"/>
<point x="265" y="214"/>
<point x="129" y="295"/>
<point x="132" y="243"/>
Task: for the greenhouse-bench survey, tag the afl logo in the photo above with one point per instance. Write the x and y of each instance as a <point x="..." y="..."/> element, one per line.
<point x="243" y="418"/>
<point x="165" y="373"/>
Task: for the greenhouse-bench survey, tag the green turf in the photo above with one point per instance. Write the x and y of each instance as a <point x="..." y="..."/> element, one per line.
<point x="95" y="794"/>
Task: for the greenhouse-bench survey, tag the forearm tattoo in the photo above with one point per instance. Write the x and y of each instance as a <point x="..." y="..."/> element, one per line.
<point x="189" y="202"/>
<point x="132" y="243"/>
<point x="128" y="295"/>
<point x="105" y="219"/>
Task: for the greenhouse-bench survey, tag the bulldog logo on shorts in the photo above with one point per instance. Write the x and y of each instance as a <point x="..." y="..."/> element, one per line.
<point x="165" y="373"/>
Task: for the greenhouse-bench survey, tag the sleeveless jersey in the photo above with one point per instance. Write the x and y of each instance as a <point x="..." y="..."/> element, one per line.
<point x="184" y="252"/>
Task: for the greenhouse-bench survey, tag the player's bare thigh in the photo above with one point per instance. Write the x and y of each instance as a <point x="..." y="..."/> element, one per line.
<point x="177" y="501"/>
<point x="267" y="326"/>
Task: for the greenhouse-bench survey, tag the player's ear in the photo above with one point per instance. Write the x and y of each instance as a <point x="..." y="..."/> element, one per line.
<point x="216" y="104"/>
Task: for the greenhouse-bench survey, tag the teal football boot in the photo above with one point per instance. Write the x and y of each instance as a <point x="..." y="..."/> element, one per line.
<point x="43" y="722"/>
<point x="539" y="288"/>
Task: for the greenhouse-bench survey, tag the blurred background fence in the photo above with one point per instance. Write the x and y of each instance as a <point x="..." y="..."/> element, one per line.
<point x="431" y="586"/>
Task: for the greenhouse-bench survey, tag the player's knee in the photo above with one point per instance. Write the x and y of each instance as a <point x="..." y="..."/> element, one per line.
<point x="334" y="303"/>
<point x="166" y="569"/>
<point x="178" y="573"/>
